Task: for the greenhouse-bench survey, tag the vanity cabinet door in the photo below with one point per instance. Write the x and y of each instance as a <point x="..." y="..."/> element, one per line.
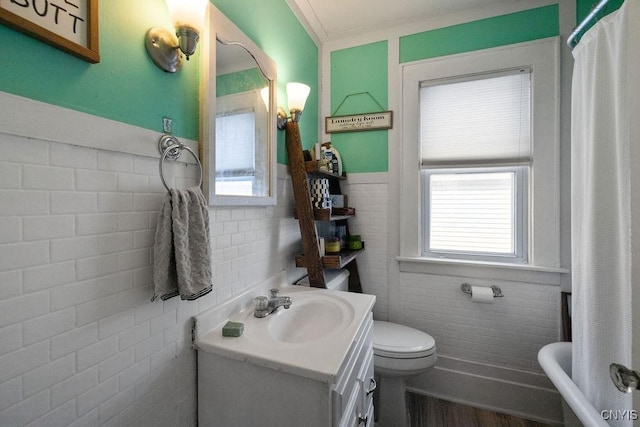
<point x="347" y="392"/>
<point x="349" y="397"/>
<point x="368" y="420"/>
<point x="359" y="411"/>
<point x="366" y="382"/>
<point x="353" y="411"/>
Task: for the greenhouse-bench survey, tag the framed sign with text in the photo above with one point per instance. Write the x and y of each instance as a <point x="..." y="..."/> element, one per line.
<point x="69" y="25"/>
<point x="359" y="122"/>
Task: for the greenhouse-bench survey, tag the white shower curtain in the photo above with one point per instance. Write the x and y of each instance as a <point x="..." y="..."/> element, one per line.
<point x="601" y="207"/>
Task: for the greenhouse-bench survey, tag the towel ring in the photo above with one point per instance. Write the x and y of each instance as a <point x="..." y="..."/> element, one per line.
<point x="171" y="148"/>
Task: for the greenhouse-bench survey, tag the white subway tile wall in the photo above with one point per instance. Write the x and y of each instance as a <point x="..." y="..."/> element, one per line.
<point x="371" y="202"/>
<point x="80" y="342"/>
<point x="507" y="333"/>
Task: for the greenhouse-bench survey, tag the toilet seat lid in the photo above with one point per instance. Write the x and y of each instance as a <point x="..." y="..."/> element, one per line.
<point x="401" y="342"/>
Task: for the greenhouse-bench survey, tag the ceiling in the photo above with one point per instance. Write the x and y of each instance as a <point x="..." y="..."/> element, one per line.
<point x="336" y="18"/>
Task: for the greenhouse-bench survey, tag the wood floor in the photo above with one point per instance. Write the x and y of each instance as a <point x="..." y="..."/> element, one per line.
<point x="431" y="412"/>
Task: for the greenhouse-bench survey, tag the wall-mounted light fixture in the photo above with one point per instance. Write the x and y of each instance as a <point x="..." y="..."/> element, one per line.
<point x="164" y="47"/>
<point x="297" y="94"/>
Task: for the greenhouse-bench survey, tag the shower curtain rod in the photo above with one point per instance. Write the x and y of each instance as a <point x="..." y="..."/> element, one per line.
<point x="572" y="41"/>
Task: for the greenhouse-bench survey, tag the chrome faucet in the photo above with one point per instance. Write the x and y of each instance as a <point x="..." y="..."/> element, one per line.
<point x="265" y="306"/>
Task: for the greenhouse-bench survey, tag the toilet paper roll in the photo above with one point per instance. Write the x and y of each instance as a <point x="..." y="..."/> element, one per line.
<point x="482" y="294"/>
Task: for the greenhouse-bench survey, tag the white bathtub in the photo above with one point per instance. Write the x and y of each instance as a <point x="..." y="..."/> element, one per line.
<point x="555" y="359"/>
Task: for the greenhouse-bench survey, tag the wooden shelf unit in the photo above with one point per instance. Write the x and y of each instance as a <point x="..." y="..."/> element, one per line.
<point x="311" y="259"/>
<point x="313" y="168"/>
<point x="331" y="261"/>
<point x="326" y="215"/>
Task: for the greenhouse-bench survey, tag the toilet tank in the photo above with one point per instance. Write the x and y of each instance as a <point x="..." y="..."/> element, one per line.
<point x="337" y="280"/>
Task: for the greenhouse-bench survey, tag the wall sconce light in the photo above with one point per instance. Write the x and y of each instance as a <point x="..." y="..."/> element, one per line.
<point x="164" y="47"/>
<point x="297" y="94"/>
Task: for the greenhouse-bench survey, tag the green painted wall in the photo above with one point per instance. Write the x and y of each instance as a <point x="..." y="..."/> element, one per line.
<point x="368" y="151"/>
<point x="502" y="30"/>
<point x="241" y="81"/>
<point x="354" y="91"/>
<point x="125" y="86"/>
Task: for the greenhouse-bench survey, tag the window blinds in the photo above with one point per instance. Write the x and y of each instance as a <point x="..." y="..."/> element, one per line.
<point x="486" y="120"/>
<point x="235" y="146"/>
<point x="472" y="212"/>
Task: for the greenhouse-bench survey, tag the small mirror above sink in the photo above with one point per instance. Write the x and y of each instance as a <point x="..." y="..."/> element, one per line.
<point x="242" y="125"/>
<point x="238" y="104"/>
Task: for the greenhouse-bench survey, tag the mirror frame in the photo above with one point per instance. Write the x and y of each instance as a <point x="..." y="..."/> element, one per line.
<point x="223" y="29"/>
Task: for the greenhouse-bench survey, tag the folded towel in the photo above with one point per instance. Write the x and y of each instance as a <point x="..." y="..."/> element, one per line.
<point x="182" y="252"/>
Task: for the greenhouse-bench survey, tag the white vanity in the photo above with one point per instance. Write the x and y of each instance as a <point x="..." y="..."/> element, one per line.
<point x="309" y="365"/>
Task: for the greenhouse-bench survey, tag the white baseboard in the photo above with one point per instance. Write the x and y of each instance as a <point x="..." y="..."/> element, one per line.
<point x="520" y="393"/>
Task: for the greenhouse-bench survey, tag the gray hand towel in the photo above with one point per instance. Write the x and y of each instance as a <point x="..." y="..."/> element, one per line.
<point x="182" y="251"/>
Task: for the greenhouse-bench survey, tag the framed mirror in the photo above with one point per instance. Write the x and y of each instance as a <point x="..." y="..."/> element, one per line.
<point x="238" y="117"/>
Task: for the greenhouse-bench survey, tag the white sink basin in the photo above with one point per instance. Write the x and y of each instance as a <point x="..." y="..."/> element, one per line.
<point x="313" y="315"/>
<point x="309" y="318"/>
<point x="311" y="338"/>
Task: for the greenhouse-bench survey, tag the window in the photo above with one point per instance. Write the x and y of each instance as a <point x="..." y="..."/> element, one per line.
<point x="241" y="163"/>
<point x="471" y="213"/>
<point x="235" y="136"/>
<point x="480" y="149"/>
<point x="481" y="121"/>
<point x="475" y="213"/>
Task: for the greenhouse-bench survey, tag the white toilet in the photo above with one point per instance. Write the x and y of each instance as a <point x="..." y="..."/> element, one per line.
<point x="399" y="352"/>
<point x="402" y="351"/>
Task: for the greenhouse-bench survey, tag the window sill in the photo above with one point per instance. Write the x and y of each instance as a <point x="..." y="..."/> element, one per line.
<point x="486" y="270"/>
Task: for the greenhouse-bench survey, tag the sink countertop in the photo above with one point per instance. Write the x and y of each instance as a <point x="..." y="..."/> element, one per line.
<point x="319" y="359"/>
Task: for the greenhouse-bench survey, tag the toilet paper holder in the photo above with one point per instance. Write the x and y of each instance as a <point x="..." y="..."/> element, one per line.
<point x="497" y="292"/>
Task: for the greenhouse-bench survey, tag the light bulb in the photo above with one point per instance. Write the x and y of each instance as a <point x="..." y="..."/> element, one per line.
<point x="297" y="94"/>
<point x="187" y="13"/>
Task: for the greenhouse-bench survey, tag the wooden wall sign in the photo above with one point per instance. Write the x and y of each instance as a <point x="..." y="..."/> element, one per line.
<point x="359" y="122"/>
<point x="70" y="25"/>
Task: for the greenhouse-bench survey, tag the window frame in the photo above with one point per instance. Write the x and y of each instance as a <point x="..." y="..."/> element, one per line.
<point x="543" y="199"/>
<point x="520" y="190"/>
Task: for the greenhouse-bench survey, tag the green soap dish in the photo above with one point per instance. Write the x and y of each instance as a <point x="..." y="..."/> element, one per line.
<point x="232" y="329"/>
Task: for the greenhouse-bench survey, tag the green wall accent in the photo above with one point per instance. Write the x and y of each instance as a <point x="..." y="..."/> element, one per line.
<point x="127" y="87"/>
<point x="240" y="81"/>
<point x="359" y="82"/>
<point x="502" y="30"/>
